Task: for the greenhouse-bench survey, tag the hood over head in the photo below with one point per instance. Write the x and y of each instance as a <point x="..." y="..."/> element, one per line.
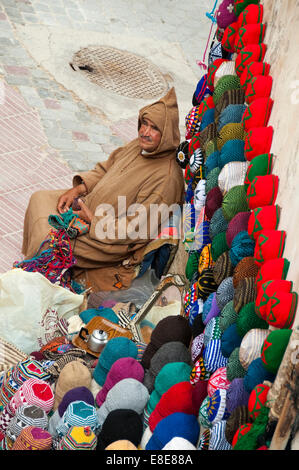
<point x="165" y="115"/>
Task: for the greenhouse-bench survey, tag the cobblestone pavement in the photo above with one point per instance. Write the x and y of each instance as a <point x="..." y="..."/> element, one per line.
<point x="46" y="132"/>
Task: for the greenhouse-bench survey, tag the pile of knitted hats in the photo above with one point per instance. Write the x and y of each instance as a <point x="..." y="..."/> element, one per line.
<point x="239" y="304"/>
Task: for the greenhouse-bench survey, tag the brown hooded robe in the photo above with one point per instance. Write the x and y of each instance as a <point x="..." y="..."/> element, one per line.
<point x="144" y="178"/>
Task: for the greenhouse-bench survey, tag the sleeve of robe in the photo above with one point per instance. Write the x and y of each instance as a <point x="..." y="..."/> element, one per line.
<point x="92" y="177"/>
<point x="127" y="223"/>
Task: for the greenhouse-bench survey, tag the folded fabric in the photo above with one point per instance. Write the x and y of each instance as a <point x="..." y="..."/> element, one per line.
<point x="250" y="53"/>
<point x="258" y="141"/>
<point x="269" y="244"/>
<point x="254" y="69"/>
<point x="262" y="191"/>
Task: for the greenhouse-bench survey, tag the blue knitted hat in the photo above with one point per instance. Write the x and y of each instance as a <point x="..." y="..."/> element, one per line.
<point x="174" y="425"/>
<point x="114" y="350"/>
<point x="232" y="113"/>
<point x="230" y="340"/>
<point x="207" y="119"/>
<point x="242" y="247"/>
<point x="232" y="151"/>
<point x="213" y="357"/>
<point x="90" y="313"/>
<point x="211" y="162"/>
<point x="256" y="374"/>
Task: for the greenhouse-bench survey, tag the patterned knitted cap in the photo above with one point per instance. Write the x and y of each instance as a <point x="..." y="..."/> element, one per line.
<point x="231" y="131"/>
<point x="205" y="284"/>
<point x="203" y="414"/>
<point x="232" y="150"/>
<point x="200" y="195"/>
<point x="26" y="415"/>
<point x="276" y="268"/>
<point x="227" y="82"/>
<point x="78" y="413"/>
<point x="197" y="347"/>
<point x="196" y="160"/>
<point x="212" y="330"/>
<point x="33" y="392"/>
<point x="253" y="13"/>
<point x="269" y="244"/>
<point x="229" y="37"/>
<point x="248" y="320"/>
<point x="245" y="268"/>
<point x="225" y="14"/>
<point x="217" y="410"/>
<point x="236" y="395"/>
<point x="268" y="292"/>
<point x="192" y="122"/>
<point x="250" y="347"/>
<point x="249" y="34"/>
<point x="250" y="53"/>
<point x="232" y="174"/>
<point x="258" y="87"/>
<point x="257" y="114"/>
<point x="242" y="246"/>
<point x="200" y="91"/>
<point x="204" y="440"/>
<point x="238" y="417"/>
<point x="213" y="357"/>
<point x="217" y="437"/>
<point x="234" y="96"/>
<point x="182" y="154"/>
<point x="234" y="368"/>
<point x="205" y="259"/>
<point x="218" y="380"/>
<point x="234" y="202"/>
<point x="227" y="316"/>
<point x="212" y="69"/>
<point x="28" y="369"/>
<point x="219" y="245"/>
<point x="273" y="349"/>
<point x="218" y="223"/>
<point x="232" y="113"/>
<point x="225" y="292"/>
<point x="258" y="141"/>
<point x="257" y="399"/>
<point x="33" y="438"/>
<point x="252" y="70"/>
<point x="245" y="292"/>
<point x="222" y="268"/>
<point x="78" y="438"/>
<point x="262" y="191"/>
<point x="212" y="179"/>
<point x="263" y="218"/>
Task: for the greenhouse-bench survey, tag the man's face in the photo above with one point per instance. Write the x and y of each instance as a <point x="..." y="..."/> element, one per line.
<point x="149" y="135"/>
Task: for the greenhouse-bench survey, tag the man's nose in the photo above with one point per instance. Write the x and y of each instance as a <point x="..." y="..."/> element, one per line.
<point x="146" y="129"/>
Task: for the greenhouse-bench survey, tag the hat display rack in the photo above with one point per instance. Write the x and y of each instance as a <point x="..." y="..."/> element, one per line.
<point x="241" y="291"/>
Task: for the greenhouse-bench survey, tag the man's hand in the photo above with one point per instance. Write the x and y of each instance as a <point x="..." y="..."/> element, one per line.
<point x="84" y="213"/>
<point x="65" y="201"/>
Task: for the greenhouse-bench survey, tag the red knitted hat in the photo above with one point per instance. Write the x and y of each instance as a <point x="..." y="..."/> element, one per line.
<point x="248" y="35"/>
<point x="229" y="37"/>
<point x="262" y="191"/>
<point x="269" y="245"/>
<point x="254" y="69"/>
<point x="257" y="114"/>
<point x="260" y="165"/>
<point x="193" y="144"/>
<point x="281" y="309"/>
<point x="177" y="399"/>
<point x="251" y="53"/>
<point x="258" y="87"/>
<point x="258" y="141"/>
<point x="252" y="14"/>
<point x="257" y="399"/>
<point x="267" y="290"/>
<point x="263" y="218"/>
<point x="276" y="268"/>
<point x="243" y="429"/>
<point x="212" y="71"/>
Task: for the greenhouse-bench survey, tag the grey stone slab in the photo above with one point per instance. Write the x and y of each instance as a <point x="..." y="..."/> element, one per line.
<point x="61" y="144"/>
<point x="13" y="13"/>
<point x="18" y="80"/>
<point x="30" y="18"/>
<point x="88" y="146"/>
<point x="75" y="14"/>
<point x="25" y="7"/>
<point x="58" y="10"/>
<point x="41" y="7"/>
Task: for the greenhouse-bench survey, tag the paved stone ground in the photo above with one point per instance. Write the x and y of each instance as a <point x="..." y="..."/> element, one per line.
<point x="46" y="132"/>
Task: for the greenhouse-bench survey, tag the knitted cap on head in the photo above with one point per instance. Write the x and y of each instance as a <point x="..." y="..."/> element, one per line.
<point x="217" y="437"/>
<point x="78" y="438"/>
<point x="177" y="424"/>
<point x="231" y="131"/>
<point x="248" y="320"/>
<point x="174" y="351"/>
<point x="248" y="35"/>
<point x="213" y="201"/>
<point x="230" y="340"/>
<point x="276" y="268"/>
<point x="218" y="223"/>
<point x="234" y="369"/>
<point x="238" y="417"/>
<point x="237" y="224"/>
<point x="273" y="349"/>
<point x="33" y="392"/>
<point x="125" y="367"/>
<point x="250" y="53"/>
<point x="213" y="357"/>
<point x="263" y="218"/>
<point x="227" y="316"/>
<point x="120" y="424"/>
<point x="257" y="399"/>
<point x="219" y="245"/>
<point x="245" y="292"/>
<point x="225" y="14"/>
<point x="33" y="438"/>
<point x="256" y="374"/>
<point x="242" y="246"/>
<point x="225" y="292"/>
<point x="257" y="114"/>
<point x="126" y="394"/>
<point x="262" y="191"/>
<point x="250" y="347"/>
<point x="74" y="374"/>
<point x="236" y="395"/>
<point x="77" y="393"/>
<point x="169" y="403"/>
<point x="245" y="268"/>
<point x="258" y="87"/>
<point x="222" y="268"/>
<point x="234" y="202"/>
<point x="218" y="380"/>
<point x="232" y="174"/>
<point x="269" y="244"/>
<point x="258" y="141"/>
<point x="252" y="14"/>
<point x="232" y="150"/>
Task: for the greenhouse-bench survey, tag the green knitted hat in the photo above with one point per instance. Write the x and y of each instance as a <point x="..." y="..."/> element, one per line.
<point x="192" y="264"/>
<point x="231" y="131"/>
<point x="234" y="368"/>
<point x="219" y="245"/>
<point x="227" y="316"/>
<point x="273" y="349"/>
<point x="240" y="5"/>
<point x="212" y="179"/>
<point x="234" y="201"/>
<point x="218" y="223"/>
<point x="227" y="82"/>
<point x="211" y="147"/>
<point x="260" y="165"/>
<point x="247" y="320"/>
<point x="222" y="268"/>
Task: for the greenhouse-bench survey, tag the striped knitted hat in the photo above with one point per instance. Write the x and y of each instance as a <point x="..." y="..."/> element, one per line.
<point x="227" y="316"/>
<point x="213" y="357"/>
<point x="250" y="347"/>
<point x="212" y="330"/>
<point x="33" y="438"/>
<point x="217" y="410"/>
<point x="222" y="268"/>
<point x="234" y="96"/>
<point x="78" y="413"/>
<point x="26" y="415"/>
<point x="232" y="174"/>
<point x="78" y="438"/>
<point x="238" y="417"/>
<point x="227" y="82"/>
<point x="245" y="268"/>
<point x="217" y="437"/>
<point x="245" y="292"/>
<point x="33" y="392"/>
